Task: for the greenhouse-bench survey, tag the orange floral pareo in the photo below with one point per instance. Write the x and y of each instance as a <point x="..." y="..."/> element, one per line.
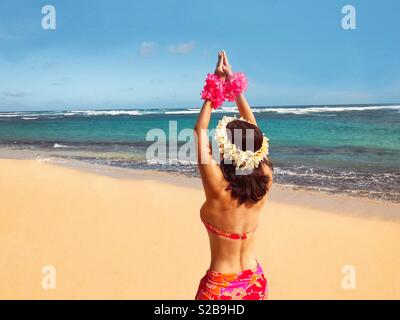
<point x="246" y="285"/>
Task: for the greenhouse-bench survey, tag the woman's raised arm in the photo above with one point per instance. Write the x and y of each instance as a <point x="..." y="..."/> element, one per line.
<point x="245" y="109"/>
<point x="241" y="101"/>
<point x="211" y="175"/>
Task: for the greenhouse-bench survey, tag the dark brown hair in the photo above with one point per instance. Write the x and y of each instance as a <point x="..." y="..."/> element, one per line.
<point x="250" y="187"/>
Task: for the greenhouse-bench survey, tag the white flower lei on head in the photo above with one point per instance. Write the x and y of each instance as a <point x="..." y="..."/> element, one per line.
<point x="247" y="160"/>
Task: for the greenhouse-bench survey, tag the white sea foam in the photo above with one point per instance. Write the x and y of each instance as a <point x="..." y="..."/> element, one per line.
<point x="6" y="115"/>
<point x="28" y="115"/>
<point x="59" y="146"/>
<point x="290" y="110"/>
<point x="197" y="110"/>
<point x="228" y="110"/>
<point x="182" y="112"/>
<point x="307" y="110"/>
<point x="224" y="109"/>
<point x="106" y="112"/>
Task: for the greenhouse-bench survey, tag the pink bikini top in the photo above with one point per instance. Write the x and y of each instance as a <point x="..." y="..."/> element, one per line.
<point x="227" y="235"/>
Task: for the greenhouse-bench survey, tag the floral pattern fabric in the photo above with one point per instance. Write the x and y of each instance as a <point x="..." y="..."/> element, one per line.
<point x="246" y="285"/>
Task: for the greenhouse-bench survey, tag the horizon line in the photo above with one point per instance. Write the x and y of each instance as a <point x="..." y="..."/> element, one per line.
<point x="176" y="108"/>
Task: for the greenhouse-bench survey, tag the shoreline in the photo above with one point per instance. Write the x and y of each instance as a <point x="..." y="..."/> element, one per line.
<point x="312" y="199"/>
<point x="334" y="202"/>
<point x="135" y="163"/>
<point x="121" y="237"/>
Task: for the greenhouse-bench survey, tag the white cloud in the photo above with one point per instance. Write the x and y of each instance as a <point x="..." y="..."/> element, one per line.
<point x="182" y="48"/>
<point x="147" y="48"/>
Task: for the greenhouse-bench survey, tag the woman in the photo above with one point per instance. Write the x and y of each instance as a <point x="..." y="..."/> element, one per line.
<point x="235" y="190"/>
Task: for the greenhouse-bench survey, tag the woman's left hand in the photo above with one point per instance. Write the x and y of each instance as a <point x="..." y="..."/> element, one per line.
<point x="226" y="67"/>
<point x="219" y="69"/>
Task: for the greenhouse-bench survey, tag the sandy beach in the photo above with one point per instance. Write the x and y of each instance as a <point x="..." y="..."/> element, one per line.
<point x="139" y="236"/>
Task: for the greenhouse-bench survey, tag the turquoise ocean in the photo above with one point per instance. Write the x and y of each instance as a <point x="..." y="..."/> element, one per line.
<point x="352" y="149"/>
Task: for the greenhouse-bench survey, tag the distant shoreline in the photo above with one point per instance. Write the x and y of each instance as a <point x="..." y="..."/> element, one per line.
<point x="310" y="197"/>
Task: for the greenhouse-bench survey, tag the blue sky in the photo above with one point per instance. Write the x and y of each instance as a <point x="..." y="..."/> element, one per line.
<point x="129" y="54"/>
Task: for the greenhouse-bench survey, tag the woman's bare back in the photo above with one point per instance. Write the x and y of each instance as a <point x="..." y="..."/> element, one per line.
<point x="225" y="213"/>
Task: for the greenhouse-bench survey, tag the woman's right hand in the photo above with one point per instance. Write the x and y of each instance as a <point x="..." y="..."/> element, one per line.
<point x="219" y="70"/>
<point x="226" y="67"/>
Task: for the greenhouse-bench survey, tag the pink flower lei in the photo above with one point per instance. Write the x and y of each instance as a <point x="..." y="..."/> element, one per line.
<point x="234" y="86"/>
<point x="213" y="91"/>
<point x="217" y="90"/>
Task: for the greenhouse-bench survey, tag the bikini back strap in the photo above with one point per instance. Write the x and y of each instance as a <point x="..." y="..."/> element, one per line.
<point x="225" y="234"/>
